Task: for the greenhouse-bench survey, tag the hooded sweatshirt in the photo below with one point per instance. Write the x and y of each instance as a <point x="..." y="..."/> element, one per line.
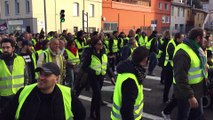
<point x="129" y="95"/>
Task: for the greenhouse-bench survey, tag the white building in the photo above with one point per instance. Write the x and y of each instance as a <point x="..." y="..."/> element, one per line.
<point x="28" y="15"/>
<point x="178" y="16"/>
<point x="209" y="19"/>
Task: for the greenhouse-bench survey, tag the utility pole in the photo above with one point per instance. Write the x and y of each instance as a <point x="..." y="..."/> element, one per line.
<point x="83" y="15"/>
<point x="45" y="17"/>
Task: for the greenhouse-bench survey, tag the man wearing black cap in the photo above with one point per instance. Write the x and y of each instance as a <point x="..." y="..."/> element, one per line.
<point x="30" y="59"/>
<point x="128" y="93"/>
<point x="45" y="100"/>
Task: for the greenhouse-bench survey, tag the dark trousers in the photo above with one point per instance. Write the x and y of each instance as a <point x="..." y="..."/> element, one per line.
<point x="170" y="106"/>
<point x="186" y="113"/>
<point x="168" y="82"/>
<point x="4" y="101"/>
<point x="163" y="76"/>
<point x="96" y="82"/>
<point x="114" y="61"/>
<point x="152" y="62"/>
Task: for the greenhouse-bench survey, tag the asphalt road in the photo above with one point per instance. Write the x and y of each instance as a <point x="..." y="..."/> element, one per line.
<point x="153" y="106"/>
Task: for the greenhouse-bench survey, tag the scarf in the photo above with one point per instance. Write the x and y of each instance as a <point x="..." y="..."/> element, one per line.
<point x="73" y="50"/>
<point x="140" y="73"/>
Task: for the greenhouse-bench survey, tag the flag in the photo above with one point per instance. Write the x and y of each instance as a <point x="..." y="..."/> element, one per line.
<point x="3" y="26"/>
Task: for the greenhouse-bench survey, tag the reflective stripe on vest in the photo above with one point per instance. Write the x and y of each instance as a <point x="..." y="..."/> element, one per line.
<point x="115" y="46"/>
<point x="100" y="67"/>
<point x="195" y="75"/>
<point x="73" y="58"/>
<point x="66" y="94"/>
<point x="167" y="54"/>
<point x="117" y="97"/>
<point x="11" y="82"/>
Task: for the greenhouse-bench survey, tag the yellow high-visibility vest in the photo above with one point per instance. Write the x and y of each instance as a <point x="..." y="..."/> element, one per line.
<point x="11" y="82"/>
<point x="117" y="97"/>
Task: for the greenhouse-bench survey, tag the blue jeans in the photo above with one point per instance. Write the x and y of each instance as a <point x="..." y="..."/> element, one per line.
<point x="152" y="62"/>
<point x="186" y="113"/>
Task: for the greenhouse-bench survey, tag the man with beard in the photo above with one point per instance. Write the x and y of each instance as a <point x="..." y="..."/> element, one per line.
<point x="13" y="73"/>
<point x="189" y="76"/>
<point x="30" y="59"/>
<point x="53" y="54"/>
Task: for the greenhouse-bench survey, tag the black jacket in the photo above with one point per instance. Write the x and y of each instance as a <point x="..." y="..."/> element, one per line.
<point x="154" y="46"/>
<point x="39" y="106"/>
<point x="162" y="47"/>
<point x="125" y="52"/>
<point x="129" y="88"/>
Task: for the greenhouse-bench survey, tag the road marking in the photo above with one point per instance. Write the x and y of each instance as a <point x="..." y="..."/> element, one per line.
<point x="111" y="87"/>
<point x="107" y="82"/>
<point x="153" y="77"/>
<point x="146" y="115"/>
<point x="147" y="77"/>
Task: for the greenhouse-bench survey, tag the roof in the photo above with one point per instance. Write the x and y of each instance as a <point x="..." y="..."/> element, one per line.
<point x="180" y="4"/>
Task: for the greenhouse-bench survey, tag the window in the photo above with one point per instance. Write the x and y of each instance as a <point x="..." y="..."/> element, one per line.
<point x="109" y="27"/>
<point x="154" y="22"/>
<point x="182" y="1"/>
<point x="75" y="29"/>
<point x="172" y="11"/>
<point x="176" y="26"/>
<point x="160" y="6"/>
<point x="75" y="9"/>
<point x="27" y="2"/>
<point x="7" y="10"/>
<point x="167" y="19"/>
<point x="163" y="19"/>
<point x="92" y="10"/>
<point x="178" y="12"/>
<point x="17" y="9"/>
<point x="183" y="12"/>
<point x="166" y="6"/>
<point x="92" y="29"/>
<point x="188" y="13"/>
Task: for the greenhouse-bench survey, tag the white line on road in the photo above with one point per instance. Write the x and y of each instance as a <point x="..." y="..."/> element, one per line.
<point x="146" y="115"/>
<point x="111" y="88"/>
<point x="153" y="77"/>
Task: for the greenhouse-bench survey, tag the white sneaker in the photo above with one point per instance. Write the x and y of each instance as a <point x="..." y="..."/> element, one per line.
<point x="165" y="117"/>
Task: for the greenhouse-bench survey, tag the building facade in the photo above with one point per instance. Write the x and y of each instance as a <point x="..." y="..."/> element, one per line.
<point x="209" y="10"/>
<point x="123" y="15"/>
<point x="178" y="16"/>
<point x="28" y="15"/>
<point x="161" y="11"/>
